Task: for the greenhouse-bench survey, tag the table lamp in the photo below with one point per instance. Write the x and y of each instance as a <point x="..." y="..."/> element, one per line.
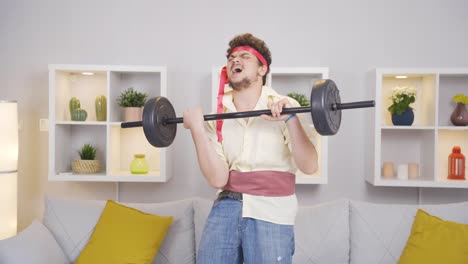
<point x="8" y="168"/>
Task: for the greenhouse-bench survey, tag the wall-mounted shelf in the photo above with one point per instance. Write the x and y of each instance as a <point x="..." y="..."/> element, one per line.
<point x="430" y="139"/>
<point x="115" y="146"/>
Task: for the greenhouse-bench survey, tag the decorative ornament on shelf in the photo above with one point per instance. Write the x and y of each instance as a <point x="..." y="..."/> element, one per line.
<point x="402" y="113"/>
<point x="88" y="162"/>
<point x="456" y="164"/>
<point x="132" y="101"/>
<point x="459" y="116"/>
<point x="139" y="164"/>
<point x="101" y="108"/>
<point x="79" y="115"/>
<point x="74" y="104"/>
<point x="388" y="170"/>
<point x="76" y="113"/>
<point x="413" y="170"/>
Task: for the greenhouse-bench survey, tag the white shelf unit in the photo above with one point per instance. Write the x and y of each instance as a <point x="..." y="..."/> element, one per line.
<point x="286" y="80"/>
<point x="115" y="146"/>
<point x="429" y="141"/>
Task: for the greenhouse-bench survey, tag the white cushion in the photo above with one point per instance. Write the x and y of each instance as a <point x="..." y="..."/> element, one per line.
<point x="322" y="234"/>
<point x="35" y="244"/>
<point x="379" y="232"/>
<point x="72" y="223"/>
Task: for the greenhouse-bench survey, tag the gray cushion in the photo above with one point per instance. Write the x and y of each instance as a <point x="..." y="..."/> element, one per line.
<point x="178" y="246"/>
<point x="321" y="231"/>
<point x="322" y="234"/>
<point x="379" y="232"/>
<point x="72" y="223"/>
<point x="35" y="244"/>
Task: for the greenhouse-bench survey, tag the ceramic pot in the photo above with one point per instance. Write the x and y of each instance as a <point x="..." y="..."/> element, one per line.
<point x="405" y="119"/>
<point x="459" y="115"/>
<point x="132" y="114"/>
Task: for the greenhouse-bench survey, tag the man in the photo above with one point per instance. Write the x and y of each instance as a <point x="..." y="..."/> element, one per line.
<point x="252" y="160"/>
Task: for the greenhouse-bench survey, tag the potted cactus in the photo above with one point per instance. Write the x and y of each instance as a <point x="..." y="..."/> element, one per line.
<point x="87" y="163"/>
<point x="132" y="101"/>
<point x="76" y="113"/>
<point x="100" y="104"/>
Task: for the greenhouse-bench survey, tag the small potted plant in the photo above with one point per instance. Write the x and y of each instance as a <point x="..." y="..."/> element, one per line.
<point x="300" y="98"/>
<point x="402" y="112"/>
<point x="460" y="99"/>
<point x="87" y="163"/>
<point x="459" y="116"/>
<point x="132" y="101"/>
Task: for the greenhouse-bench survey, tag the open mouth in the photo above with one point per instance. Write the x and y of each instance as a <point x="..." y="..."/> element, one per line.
<point x="236" y="69"/>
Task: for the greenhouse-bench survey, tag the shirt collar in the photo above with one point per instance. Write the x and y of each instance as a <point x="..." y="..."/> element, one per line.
<point x="262" y="103"/>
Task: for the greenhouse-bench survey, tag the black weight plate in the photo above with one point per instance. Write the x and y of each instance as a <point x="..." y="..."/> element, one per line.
<point x="157" y="133"/>
<point x="324" y="96"/>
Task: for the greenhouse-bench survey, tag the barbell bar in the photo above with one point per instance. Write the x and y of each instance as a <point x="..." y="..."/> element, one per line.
<point x="159" y="120"/>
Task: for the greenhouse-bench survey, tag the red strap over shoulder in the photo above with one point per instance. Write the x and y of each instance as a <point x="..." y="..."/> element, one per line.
<point x="219" y="123"/>
<point x="223" y="80"/>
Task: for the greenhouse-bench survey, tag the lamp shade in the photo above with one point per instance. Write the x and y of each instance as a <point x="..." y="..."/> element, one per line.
<point x="8" y="168"/>
<point x="9" y="136"/>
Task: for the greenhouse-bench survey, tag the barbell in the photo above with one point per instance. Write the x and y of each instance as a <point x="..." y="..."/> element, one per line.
<point x="159" y="119"/>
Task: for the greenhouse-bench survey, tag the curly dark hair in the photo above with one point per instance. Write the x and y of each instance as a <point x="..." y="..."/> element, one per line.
<point x="259" y="45"/>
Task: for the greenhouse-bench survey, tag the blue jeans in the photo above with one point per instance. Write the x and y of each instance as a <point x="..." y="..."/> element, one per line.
<point x="230" y="239"/>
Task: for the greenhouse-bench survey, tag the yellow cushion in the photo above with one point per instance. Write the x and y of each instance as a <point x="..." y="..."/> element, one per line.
<point x="125" y="235"/>
<point x="434" y="240"/>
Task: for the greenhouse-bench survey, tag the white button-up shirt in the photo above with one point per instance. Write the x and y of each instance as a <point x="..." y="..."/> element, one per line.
<point x="258" y="145"/>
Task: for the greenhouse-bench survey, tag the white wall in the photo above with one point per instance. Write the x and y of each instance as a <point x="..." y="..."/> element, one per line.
<point x="189" y="37"/>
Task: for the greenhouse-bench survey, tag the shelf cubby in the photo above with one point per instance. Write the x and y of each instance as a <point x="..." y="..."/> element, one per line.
<point x="404" y="146"/>
<point x="84" y="85"/>
<point x="446" y="140"/>
<point x="124" y="144"/>
<point x="424" y="107"/>
<point x="450" y="85"/>
<point x="146" y="82"/>
<point x="70" y="138"/>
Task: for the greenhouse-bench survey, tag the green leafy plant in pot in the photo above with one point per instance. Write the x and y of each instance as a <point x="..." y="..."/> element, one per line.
<point x="402" y="112"/>
<point x="132" y="101"/>
<point x="87" y="163"/>
<point x="459" y="116"/>
<point x="300" y="98"/>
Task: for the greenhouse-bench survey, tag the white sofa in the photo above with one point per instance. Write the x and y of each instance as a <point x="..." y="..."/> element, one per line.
<point x="337" y="232"/>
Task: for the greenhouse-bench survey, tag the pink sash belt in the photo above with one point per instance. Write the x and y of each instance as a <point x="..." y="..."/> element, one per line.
<point x="264" y="183"/>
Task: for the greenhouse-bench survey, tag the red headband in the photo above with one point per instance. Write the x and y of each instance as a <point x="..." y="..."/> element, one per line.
<point x="223" y="80"/>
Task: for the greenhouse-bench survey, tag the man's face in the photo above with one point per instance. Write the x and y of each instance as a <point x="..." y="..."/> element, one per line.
<point x="243" y="69"/>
